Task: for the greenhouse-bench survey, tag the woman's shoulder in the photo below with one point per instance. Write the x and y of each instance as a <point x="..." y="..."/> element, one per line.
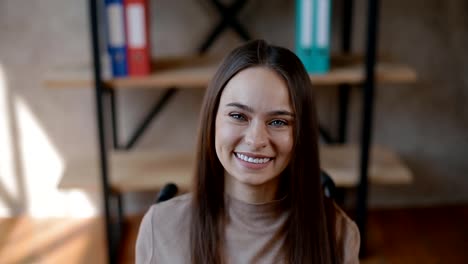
<point x="343" y="220"/>
<point x="348" y="236"/>
<point x="172" y="213"/>
<point x="163" y="231"/>
<point x="174" y="207"/>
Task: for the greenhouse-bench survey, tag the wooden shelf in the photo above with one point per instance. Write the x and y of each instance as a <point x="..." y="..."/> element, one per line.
<point x="196" y="72"/>
<point x="342" y="163"/>
<point x="140" y="171"/>
<point x="131" y="171"/>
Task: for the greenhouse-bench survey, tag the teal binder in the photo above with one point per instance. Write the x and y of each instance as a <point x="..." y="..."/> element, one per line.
<point x="313" y="34"/>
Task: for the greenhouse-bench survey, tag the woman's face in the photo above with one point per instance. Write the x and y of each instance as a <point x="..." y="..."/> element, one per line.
<point x="254" y="126"/>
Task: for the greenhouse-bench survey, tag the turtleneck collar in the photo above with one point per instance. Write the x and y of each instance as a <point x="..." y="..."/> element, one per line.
<point x="256" y="217"/>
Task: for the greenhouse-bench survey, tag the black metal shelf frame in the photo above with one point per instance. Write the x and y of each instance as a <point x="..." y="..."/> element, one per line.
<point x="113" y="210"/>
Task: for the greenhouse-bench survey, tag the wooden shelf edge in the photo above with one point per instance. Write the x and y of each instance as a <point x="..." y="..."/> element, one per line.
<point x="145" y="171"/>
<point x="196" y="72"/>
<point x="385" y="167"/>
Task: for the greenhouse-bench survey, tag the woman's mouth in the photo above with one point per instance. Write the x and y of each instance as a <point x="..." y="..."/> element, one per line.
<point x="252" y="162"/>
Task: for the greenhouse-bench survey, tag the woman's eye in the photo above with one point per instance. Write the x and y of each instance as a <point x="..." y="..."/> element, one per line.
<point x="237" y="116"/>
<point x="278" y="123"/>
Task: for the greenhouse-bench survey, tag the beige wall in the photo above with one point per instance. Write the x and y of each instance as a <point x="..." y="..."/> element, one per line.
<point x="41" y="129"/>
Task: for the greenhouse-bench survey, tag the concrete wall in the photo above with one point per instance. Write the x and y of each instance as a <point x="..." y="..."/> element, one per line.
<point x="41" y="129"/>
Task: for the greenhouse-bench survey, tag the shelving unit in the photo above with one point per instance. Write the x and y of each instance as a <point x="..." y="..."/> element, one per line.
<point x="121" y="171"/>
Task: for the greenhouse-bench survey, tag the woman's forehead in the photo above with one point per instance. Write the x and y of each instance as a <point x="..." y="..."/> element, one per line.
<point x="259" y="87"/>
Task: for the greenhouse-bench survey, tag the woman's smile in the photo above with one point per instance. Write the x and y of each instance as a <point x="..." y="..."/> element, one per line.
<point x="253" y="161"/>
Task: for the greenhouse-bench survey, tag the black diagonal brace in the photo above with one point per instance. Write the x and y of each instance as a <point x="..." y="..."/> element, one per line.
<point x="147" y="120"/>
<point x="325" y="135"/>
<point x="228" y="19"/>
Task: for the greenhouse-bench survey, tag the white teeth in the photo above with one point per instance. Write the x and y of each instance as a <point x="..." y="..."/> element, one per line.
<point x="252" y="160"/>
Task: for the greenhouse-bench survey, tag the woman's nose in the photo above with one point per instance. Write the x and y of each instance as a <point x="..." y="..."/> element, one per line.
<point x="256" y="135"/>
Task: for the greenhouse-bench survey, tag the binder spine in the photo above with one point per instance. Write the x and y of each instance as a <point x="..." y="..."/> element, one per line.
<point x="116" y="37"/>
<point x="313" y="34"/>
<point x="138" y="45"/>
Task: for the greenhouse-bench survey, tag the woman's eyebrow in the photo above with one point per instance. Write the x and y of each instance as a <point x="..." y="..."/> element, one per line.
<point x="281" y="112"/>
<point x="241" y="106"/>
<point x="250" y="110"/>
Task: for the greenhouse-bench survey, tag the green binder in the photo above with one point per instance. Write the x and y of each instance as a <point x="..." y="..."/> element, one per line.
<point x="313" y="34"/>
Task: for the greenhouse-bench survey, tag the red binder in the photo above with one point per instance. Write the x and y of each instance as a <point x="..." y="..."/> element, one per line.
<point x="138" y="38"/>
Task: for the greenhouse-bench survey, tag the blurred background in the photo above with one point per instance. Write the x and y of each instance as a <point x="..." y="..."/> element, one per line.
<point x="44" y="130"/>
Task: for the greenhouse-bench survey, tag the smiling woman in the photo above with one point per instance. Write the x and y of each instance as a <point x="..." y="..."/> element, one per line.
<point x="257" y="196"/>
<point x="254" y="134"/>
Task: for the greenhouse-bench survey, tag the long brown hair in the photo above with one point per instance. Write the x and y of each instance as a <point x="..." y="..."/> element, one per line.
<point x="310" y="228"/>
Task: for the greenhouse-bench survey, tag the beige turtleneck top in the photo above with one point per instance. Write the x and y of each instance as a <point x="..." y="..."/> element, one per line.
<point x="253" y="233"/>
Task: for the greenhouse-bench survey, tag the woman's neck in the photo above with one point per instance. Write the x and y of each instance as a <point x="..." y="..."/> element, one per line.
<point x="248" y="193"/>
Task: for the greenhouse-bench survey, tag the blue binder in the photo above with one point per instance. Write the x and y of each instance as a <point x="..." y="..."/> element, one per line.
<point x="116" y="39"/>
<point x="313" y="34"/>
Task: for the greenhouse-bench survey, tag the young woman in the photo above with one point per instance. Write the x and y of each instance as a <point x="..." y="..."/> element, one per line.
<point x="257" y="196"/>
